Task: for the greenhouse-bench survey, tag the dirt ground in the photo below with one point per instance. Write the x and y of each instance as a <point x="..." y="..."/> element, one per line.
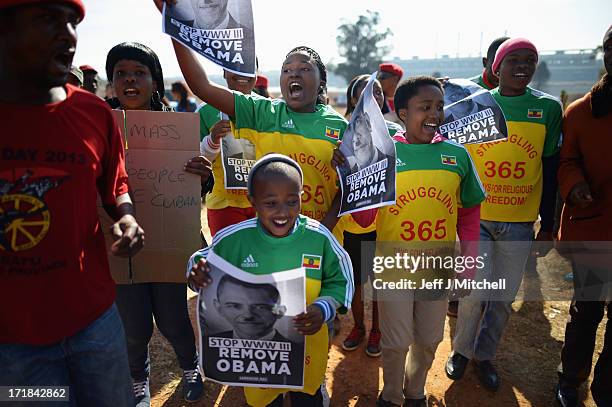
<point x="527" y="360"/>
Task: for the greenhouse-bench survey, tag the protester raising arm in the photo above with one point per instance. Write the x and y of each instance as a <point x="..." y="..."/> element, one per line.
<point x="218" y="96"/>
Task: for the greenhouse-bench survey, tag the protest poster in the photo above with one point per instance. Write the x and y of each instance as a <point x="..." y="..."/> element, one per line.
<point x="471" y="114"/>
<point x="367" y="178"/>
<point x="167" y="199"/>
<point x="238" y="156"/>
<point x="221" y="31"/>
<point x="246" y="331"/>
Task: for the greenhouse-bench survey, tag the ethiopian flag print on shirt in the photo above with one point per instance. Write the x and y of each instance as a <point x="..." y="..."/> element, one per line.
<point x="332" y="133"/>
<point x="311" y="261"/>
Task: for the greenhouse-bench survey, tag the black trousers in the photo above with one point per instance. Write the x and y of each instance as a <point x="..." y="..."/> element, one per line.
<point x="352" y="245"/>
<point x="167" y="302"/>
<point x="580" y="334"/>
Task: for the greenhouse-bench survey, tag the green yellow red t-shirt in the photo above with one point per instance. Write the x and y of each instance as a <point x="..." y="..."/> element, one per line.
<point x="432" y="182"/>
<point x="332" y="276"/>
<point x="308" y="138"/>
<point x="511" y="170"/>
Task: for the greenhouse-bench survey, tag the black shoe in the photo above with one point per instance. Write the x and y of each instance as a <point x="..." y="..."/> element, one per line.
<point x="566" y="396"/>
<point x="455" y="366"/>
<point x="415" y="403"/>
<point x="193" y="386"/>
<point x="487" y="374"/>
<point x="380" y="402"/>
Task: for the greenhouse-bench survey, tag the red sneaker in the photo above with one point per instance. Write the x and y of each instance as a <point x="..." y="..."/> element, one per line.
<point x="373" y="348"/>
<point x="353" y="339"/>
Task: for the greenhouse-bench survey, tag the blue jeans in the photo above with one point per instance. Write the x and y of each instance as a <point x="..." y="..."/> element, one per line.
<point x="505" y="247"/>
<point x="93" y="363"/>
<point x="167" y="302"/>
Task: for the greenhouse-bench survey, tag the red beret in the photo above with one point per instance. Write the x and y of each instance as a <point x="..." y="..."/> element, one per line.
<point x="391" y="68"/>
<point x="76" y="3"/>
<point x="86" y="68"/>
<point x="262" y="81"/>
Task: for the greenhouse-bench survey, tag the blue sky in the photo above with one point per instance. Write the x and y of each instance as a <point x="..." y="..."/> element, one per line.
<point x="423" y="28"/>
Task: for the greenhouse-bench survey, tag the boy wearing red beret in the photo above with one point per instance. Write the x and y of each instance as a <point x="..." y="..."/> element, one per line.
<point x="389" y="75"/>
<point x="90" y="78"/>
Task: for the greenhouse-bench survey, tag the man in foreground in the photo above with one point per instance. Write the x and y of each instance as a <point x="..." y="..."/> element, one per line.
<point x="58" y="322"/>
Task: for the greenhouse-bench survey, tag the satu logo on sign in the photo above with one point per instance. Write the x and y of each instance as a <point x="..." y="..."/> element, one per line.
<point x="310" y="261"/>
<point x="332" y="133"/>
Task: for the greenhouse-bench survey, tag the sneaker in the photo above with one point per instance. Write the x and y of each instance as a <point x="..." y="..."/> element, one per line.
<point x="353" y="339"/>
<point x="373" y="347"/>
<point x="142" y="393"/>
<point x="193" y="386"/>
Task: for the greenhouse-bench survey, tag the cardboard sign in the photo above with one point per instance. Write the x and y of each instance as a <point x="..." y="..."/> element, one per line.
<point x="167" y="199"/>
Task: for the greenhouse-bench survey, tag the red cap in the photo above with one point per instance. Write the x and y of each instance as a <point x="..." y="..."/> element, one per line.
<point x="511" y="45"/>
<point x="391" y="68"/>
<point x="86" y="68"/>
<point x="262" y="81"/>
<point x="77" y="3"/>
